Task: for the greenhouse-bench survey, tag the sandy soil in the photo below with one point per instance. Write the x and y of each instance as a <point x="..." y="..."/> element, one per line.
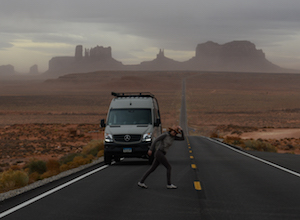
<point x="272" y="134"/>
<point x="286" y="140"/>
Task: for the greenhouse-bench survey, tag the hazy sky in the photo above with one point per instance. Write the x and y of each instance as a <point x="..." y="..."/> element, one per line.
<point x="34" y="31"/>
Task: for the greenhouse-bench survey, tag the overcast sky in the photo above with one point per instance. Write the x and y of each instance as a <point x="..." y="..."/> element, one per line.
<point x="34" y="31"/>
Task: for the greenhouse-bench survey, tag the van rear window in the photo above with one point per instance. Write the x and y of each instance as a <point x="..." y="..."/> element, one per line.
<point x="129" y="117"/>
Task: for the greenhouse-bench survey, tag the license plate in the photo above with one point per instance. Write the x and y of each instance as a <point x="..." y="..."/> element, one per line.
<point x="127" y="150"/>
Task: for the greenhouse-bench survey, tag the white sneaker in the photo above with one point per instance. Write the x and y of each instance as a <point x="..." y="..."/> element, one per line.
<point x="142" y="185"/>
<point x="171" y="186"/>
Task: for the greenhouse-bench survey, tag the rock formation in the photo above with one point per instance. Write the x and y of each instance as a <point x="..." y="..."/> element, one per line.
<point x="78" y="52"/>
<point x="160" y="63"/>
<point x="235" y="56"/>
<point x="7" y="70"/>
<point x="97" y="58"/>
<point x="34" y="70"/>
<point x="99" y="53"/>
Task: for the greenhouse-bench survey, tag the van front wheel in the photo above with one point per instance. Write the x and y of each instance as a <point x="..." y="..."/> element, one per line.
<point x="107" y="158"/>
<point x="117" y="158"/>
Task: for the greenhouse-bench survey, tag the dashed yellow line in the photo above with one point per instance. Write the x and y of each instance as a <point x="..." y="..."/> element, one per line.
<point x="197" y="185"/>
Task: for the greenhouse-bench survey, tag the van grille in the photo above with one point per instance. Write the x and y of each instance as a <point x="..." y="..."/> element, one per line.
<point x="127" y="138"/>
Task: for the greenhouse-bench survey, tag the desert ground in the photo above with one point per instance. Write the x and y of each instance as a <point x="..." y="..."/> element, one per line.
<point x="50" y="118"/>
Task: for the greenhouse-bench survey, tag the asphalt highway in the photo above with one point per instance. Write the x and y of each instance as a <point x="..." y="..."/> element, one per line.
<point x="214" y="182"/>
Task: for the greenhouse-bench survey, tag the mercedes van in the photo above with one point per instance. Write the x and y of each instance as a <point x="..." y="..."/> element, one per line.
<point x="132" y="123"/>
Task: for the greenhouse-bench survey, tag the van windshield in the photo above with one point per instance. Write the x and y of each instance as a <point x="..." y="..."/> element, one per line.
<point x="129" y="117"/>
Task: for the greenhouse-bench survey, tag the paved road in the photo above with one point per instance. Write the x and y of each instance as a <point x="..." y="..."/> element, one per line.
<point x="233" y="186"/>
<point x="237" y="186"/>
<point x="215" y="182"/>
<point x="112" y="193"/>
<point x="183" y="113"/>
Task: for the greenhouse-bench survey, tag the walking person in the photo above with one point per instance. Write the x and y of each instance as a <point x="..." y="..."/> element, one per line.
<point x="162" y="143"/>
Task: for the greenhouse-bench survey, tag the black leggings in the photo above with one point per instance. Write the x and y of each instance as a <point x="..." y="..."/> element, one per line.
<point x="159" y="159"/>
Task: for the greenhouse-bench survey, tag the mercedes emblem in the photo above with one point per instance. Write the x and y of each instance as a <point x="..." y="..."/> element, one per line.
<point x="127" y="137"/>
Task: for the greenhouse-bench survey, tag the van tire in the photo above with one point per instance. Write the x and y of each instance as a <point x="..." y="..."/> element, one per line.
<point x="107" y="158"/>
<point x="117" y="158"/>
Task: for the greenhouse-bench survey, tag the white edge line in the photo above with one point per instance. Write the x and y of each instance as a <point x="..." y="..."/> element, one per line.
<point x="22" y="205"/>
<point x="257" y="158"/>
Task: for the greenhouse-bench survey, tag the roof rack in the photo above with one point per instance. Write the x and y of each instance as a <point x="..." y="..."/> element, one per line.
<point x="133" y="94"/>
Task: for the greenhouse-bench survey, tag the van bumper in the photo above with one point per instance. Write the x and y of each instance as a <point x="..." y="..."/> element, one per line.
<point x="133" y="150"/>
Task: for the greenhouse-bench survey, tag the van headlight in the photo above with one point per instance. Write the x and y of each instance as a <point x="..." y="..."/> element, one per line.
<point x="147" y="137"/>
<point x="108" y="138"/>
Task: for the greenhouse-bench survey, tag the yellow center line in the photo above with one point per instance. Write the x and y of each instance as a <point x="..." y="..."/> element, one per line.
<point x="197" y="185"/>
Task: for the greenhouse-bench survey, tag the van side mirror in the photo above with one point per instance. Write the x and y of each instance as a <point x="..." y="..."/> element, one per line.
<point x="102" y="123"/>
<point x="157" y="123"/>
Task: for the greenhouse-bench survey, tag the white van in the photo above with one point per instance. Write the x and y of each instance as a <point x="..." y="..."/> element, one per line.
<point x="133" y="121"/>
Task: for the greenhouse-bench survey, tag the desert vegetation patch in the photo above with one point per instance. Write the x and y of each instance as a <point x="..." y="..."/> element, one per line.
<point x="20" y="143"/>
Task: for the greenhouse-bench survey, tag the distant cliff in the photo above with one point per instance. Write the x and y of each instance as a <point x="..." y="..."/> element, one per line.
<point x="160" y="63"/>
<point x="97" y="58"/>
<point x="235" y="56"/>
<point x="7" y="70"/>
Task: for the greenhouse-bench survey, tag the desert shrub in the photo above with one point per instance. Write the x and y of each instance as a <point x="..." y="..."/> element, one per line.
<point x="100" y="153"/>
<point x="52" y="165"/>
<point x="38" y="166"/>
<point x="234" y="141"/>
<point x="214" y="134"/>
<point x="53" y="168"/>
<point x="13" y="178"/>
<point x="68" y="158"/>
<point x="14" y="167"/>
<point x="82" y="160"/>
<point x="63" y="167"/>
<point x="35" y="176"/>
<point x="73" y="160"/>
<point x="259" y="145"/>
<point x="76" y="162"/>
<point x="93" y="148"/>
<point x="49" y="173"/>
